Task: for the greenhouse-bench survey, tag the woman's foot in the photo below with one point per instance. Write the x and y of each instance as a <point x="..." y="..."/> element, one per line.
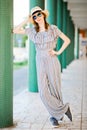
<point x="68" y="113"/>
<point x="54" y="121"/>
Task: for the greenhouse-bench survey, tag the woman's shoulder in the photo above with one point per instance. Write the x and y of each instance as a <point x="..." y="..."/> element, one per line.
<point x="55" y="29"/>
<point x="53" y="26"/>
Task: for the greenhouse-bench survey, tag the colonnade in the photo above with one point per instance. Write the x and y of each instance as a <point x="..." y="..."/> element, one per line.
<point x="59" y="15"/>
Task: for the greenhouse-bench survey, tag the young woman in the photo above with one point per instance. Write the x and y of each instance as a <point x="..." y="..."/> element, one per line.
<point x="45" y="37"/>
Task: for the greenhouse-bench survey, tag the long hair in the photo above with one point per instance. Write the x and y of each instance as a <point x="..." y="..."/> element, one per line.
<point x="37" y="28"/>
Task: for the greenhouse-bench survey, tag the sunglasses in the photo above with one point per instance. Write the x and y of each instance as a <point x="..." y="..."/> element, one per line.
<point x="38" y="15"/>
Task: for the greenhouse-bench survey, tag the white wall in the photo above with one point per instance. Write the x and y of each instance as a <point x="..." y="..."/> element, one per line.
<point x="20" y="10"/>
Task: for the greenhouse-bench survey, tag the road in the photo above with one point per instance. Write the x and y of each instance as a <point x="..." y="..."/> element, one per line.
<point x="20" y="80"/>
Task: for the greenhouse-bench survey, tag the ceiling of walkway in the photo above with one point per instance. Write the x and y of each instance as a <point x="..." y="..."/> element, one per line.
<point x="78" y="12"/>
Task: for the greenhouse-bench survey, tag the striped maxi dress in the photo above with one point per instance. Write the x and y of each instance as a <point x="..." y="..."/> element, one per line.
<point x="48" y="70"/>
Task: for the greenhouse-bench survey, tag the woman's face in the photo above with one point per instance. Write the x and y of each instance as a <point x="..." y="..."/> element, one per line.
<point x="38" y="17"/>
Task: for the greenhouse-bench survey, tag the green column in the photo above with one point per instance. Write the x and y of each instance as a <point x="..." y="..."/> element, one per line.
<point x="65" y="32"/>
<point x="68" y="34"/>
<point x="76" y="43"/>
<point x="72" y="40"/>
<point x="70" y="46"/>
<point x="6" y="63"/>
<point x="51" y="6"/>
<point x="59" y="24"/>
<point x="73" y="31"/>
<point x="33" y="87"/>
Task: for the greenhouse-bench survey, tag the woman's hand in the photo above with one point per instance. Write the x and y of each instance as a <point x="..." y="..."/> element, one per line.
<point x="53" y="53"/>
<point x="19" y="29"/>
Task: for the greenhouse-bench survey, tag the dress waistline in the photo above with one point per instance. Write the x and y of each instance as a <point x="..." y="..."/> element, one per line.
<point x="42" y="52"/>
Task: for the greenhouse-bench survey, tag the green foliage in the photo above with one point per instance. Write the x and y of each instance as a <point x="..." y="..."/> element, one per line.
<point x="18" y="65"/>
<point x="24" y="38"/>
<point x="19" y="40"/>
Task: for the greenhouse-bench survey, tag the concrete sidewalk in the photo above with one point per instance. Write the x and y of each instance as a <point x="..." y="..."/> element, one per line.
<point x="30" y="113"/>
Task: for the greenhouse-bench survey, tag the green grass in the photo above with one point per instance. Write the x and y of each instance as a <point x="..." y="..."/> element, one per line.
<point x="18" y="65"/>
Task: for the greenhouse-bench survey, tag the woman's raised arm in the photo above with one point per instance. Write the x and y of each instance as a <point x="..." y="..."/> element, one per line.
<point x="19" y="29"/>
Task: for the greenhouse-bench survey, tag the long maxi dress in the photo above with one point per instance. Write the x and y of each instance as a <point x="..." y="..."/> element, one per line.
<point x="48" y="70"/>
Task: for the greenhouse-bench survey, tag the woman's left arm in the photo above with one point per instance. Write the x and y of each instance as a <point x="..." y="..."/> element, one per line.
<point x="63" y="47"/>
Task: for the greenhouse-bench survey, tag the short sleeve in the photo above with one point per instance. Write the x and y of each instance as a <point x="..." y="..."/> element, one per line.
<point x="56" y="30"/>
<point x="31" y="32"/>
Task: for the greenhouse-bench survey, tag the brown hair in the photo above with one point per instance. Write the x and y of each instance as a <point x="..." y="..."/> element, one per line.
<point x="37" y="28"/>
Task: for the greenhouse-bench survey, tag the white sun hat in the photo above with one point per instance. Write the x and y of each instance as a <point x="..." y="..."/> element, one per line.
<point x="37" y="9"/>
